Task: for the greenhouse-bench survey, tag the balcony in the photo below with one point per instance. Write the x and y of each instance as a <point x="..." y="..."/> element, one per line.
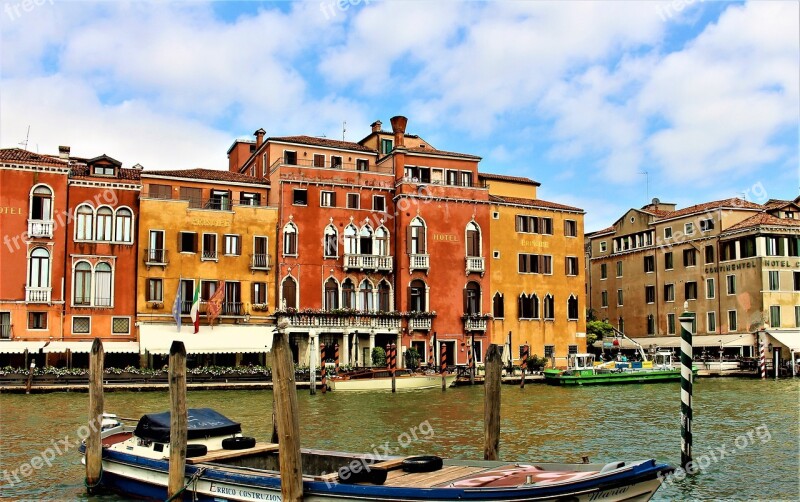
<point x="37" y="295"/>
<point x="419" y="262"/>
<point x="420" y="323"/>
<point x="329" y="164"/>
<point x="40" y="228"/>
<point x="210" y="255"/>
<point x="474" y="324"/>
<point x="357" y="320"/>
<point x="260" y="261"/>
<point x="155" y="257"/>
<point x="476" y="264"/>
<point x="368" y="262"/>
<point x="232" y="308"/>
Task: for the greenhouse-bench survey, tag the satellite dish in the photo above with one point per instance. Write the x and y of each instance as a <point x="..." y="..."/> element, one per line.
<point x="656" y="201"/>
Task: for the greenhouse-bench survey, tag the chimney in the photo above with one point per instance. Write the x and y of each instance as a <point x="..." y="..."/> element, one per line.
<point x="399" y="129"/>
<point x="63" y="152"/>
<point x="259" y="137"/>
<point x="376" y="126"/>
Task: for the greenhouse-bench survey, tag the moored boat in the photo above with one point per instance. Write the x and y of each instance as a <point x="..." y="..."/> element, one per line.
<point x="369" y="379"/>
<point x="224" y="465"/>
<point x="582" y="370"/>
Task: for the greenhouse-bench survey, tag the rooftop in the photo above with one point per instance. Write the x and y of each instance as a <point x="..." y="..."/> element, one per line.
<point x="733" y="203"/>
<point x="765" y="219"/>
<point x="503" y="177"/>
<point x="329" y="143"/>
<point x="209" y="175"/>
<point x="537" y="203"/>
<point x="26" y="157"/>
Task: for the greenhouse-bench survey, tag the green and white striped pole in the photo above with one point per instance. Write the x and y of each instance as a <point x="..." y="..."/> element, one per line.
<point x="687" y="321"/>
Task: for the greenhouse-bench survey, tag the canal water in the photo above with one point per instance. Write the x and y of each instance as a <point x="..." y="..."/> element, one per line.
<point x="745" y="431"/>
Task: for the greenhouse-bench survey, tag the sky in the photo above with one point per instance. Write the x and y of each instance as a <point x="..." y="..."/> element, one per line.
<point x="606" y="104"/>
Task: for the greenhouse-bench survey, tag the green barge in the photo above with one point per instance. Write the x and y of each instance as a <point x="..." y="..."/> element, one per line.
<point x="583" y="371"/>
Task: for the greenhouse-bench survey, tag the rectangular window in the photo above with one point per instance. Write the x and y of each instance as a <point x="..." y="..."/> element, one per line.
<point x="651" y="325"/>
<point x="209" y="247"/>
<point x="668" y="265"/>
<point x="619" y="268"/>
<point x="775" y="316"/>
<point x="571" y="265"/>
<point x="670" y="324"/>
<point x="747" y="247"/>
<point x="249" y="199"/>
<point x="155" y="290"/>
<point x="193" y="195"/>
<point x="689" y="257"/>
<point x="796" y="281"/>
<point x="121" y="325"/>
<point x="535" y="264"/>
<point x="81" y="325"/>
<point x="466" y="179"/>
<point x="37" y="320"/>
<point x="336" y="162"/>
<point x="709" y="254"/>
<point x="688" y="228"/>
<point x="207" y="290"/>
<point x="690" y="290"/>
<point x="299" y="197"/>
<point x="730" y="281"/>
<point x="710" y="290"/>
<point x="353" y="201"/>
<point x="188" y="242"/>
<point x="649" y="264"/>
<point x="603" y="246"/>
<point x="619" y="298"/>
<point x="290" y="157"/>
<point x="260" y="255"/>
<point x="233" y="245"/>
<point x="157" y="191"/>
<point x="667" y="232"/>
<point x="319" y="160"/>
<point x="327" y="199"/>
<point x="775" y="246"/>
<point x="386" y="146"/>
<point x="549" y="351"/>
<point x="650" y="294"/>
<point x="711" y="322"/>
<point x="362" y="165"/>
<point x="547" y="226"/>
<point x="797" y="316"/>
<point x="706" y="225"/>
<point x="603" y="271"/>
<point x="604" y="298"/>
<point x="378" y="203"/>
<point x="669" y="292"/>
<point x="732" y="321"/>
<point x="774" y="280"/>
<point x="259" y="296"/>
<point x="570" y="228"/>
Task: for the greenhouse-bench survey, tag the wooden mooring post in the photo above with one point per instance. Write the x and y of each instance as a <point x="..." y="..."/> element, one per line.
<point x="287" y="415"/>
<point x="312" y="370"/>
<point x="179" y="420"/>
<point x="94" y="445"/>
<point x="491" y="403"/>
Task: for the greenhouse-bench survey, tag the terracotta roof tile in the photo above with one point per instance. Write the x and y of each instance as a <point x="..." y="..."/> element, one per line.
<point x="538" y="203"/>
<point x="503" y="177"/>
<point x="433" y="151"/>
<point x="607" y="230"/>
<point x="26" y="157"/>
<point x="330" y="143"/>
<point x="706" y="206"/>
<point x="764" y="219"/>
<point x="209" y="175"/>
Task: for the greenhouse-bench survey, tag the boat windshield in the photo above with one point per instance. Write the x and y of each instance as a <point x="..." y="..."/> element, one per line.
<point x="663" y="359"/>
<point x="581" y="361"/>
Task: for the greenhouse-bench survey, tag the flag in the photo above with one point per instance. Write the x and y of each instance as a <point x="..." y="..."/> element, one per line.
<point x="215" y="303"/>
<point x="195" y="313"/>
<point x="176" y="307"/>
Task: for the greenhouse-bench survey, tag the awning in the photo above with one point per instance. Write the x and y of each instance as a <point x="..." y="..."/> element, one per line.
<point x="19" y="347"/>
<point x="86" y="346"/>
<point x="743" y="340"/>
<point x="224" y="339"/>
<point x="789" y="338"/>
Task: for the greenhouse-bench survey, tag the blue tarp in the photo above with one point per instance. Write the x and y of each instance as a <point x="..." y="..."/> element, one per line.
<point x="203" y="422"/>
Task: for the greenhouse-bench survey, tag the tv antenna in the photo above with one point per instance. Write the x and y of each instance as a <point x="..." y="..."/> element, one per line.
<point x="344" y="129"/>
<point x="646" y="183"/>
<point x="24" y="144"/>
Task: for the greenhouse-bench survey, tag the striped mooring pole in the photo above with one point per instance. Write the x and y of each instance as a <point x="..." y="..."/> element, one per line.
<point x="336" y="357"/>
<point x="443" y="357"/>
<point x="687" y="321"/>
<point x="431" y="357"/>
<point x="762" y="356"/>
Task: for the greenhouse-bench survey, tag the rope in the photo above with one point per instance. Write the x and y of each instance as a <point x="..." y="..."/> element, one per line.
<point x="199" y="472"/>
<point x="99" y="480"/>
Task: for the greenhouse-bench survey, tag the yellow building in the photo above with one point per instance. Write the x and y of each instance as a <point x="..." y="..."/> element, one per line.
<point x="537" y="274"/>
<point x="201" y="230"/>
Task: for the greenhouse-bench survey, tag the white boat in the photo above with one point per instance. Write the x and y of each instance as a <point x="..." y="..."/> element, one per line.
<point x="225" y="466"/>
<point x="366" y="380"/>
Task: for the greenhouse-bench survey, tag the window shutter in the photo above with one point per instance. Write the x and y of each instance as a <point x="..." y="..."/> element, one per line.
<point x="333" y="199"/>
<point x="541" y="264"/>
<point x="521" y="264"/>
<point x="470" y="243"/>
<point x="408" y="300"/>
<point x="423" y="237"/>
<point x="409" y="235"/>
<point x="466" y="300"/>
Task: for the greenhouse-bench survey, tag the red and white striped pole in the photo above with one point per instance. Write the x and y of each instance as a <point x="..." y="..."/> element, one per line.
<point x="762" y="357"/>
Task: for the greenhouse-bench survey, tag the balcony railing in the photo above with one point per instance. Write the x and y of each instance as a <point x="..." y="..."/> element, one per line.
<point x="37" y="295"/>
<point x="331" y="320"/>
<point x="40" y="228"/>
<point x="419" y="262"/>
<point x="368" y="262"/>
<point x="232" y="308"/>
<point x="476" y="264"/>
<point x="474" y="324"/>
<point x="420" y="323"/>
<point x="209" y="254"/>
<point x="156" y="257"/>
<point x="260" y="261"/>
<point x="334" y="166"/>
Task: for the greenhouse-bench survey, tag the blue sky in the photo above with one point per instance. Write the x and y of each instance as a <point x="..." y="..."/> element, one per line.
<point x="584" y="97"/>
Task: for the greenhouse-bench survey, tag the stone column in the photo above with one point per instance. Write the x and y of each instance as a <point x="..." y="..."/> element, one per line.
<point x="401" y="363"/>
<point x="344" y="348"/>
<point x="371" y="346"/>
<point x="313" y="347"/>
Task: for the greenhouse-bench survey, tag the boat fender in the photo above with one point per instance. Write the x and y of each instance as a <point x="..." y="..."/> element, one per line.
<point x="422" y="463"/>
<point x="611" y="466"/>
<point x="196" y="450"/>
<point x="238" y="443"/>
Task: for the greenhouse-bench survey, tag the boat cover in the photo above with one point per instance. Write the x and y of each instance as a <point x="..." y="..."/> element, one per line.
<point x="203" y="422"/>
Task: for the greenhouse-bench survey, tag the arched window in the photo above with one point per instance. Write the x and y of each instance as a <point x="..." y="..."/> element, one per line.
<point x="367" y="296"/>
<point x="473" y="240"/>
<point x="41" y="203"/>
<point x="83" y="284"/>
<point x="348" y="294"/>
<point x="331" y="242"/>
<point x="651" y="325"/>
<point x="528" y="306"/>
<point x="105" y="228"/>
<point x="331" y="294"/>
<point x="549" y="307"/>
<point x="289" y="293"/>
<point x="384" y="297"/>
<point x="350" y="240"/>
<point x="572" y="308"/>
<point x="84" y="219"/>
<point x="39" y="274"/>
<point x="365" y="240"/>
<point x="472" y="298"/>
<point x="417" y="296"/>
<point x="102" y="285"/>
<point x="498" y="308"/>
<point x="290" y="240"/>
<point x="124" y="230"/>
<point x="416" y="236"/>
<point x="381" y="247"/>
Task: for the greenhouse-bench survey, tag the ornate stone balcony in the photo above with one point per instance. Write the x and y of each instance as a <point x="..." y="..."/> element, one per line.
<point x="40" y="228"/>
<point x="476" y="264"/>
<point x="380" y="263"/>
<point x="419" y="262"/>
<point x="37" y="295"/>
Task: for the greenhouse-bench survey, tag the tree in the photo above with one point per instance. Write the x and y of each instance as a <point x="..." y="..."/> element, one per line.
<point x="597" y="330"/>
<point x="412" y="358"/>
<point x="378" y="356"/>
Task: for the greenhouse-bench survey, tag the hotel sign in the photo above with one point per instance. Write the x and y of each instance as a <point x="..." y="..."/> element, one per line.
<point x="765" y="263"/>
<point x="445" y="237"/>
<point x="10" y="210"/>
<point x="536" y="244"/>
<point x="209" y="222"/>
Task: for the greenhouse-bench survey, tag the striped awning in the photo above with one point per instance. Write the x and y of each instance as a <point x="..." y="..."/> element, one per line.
<point x="223" y="339"/>
<point x="789" y="338"/>
<point x="19" y="347"/>
<point x="78" y="347"/>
